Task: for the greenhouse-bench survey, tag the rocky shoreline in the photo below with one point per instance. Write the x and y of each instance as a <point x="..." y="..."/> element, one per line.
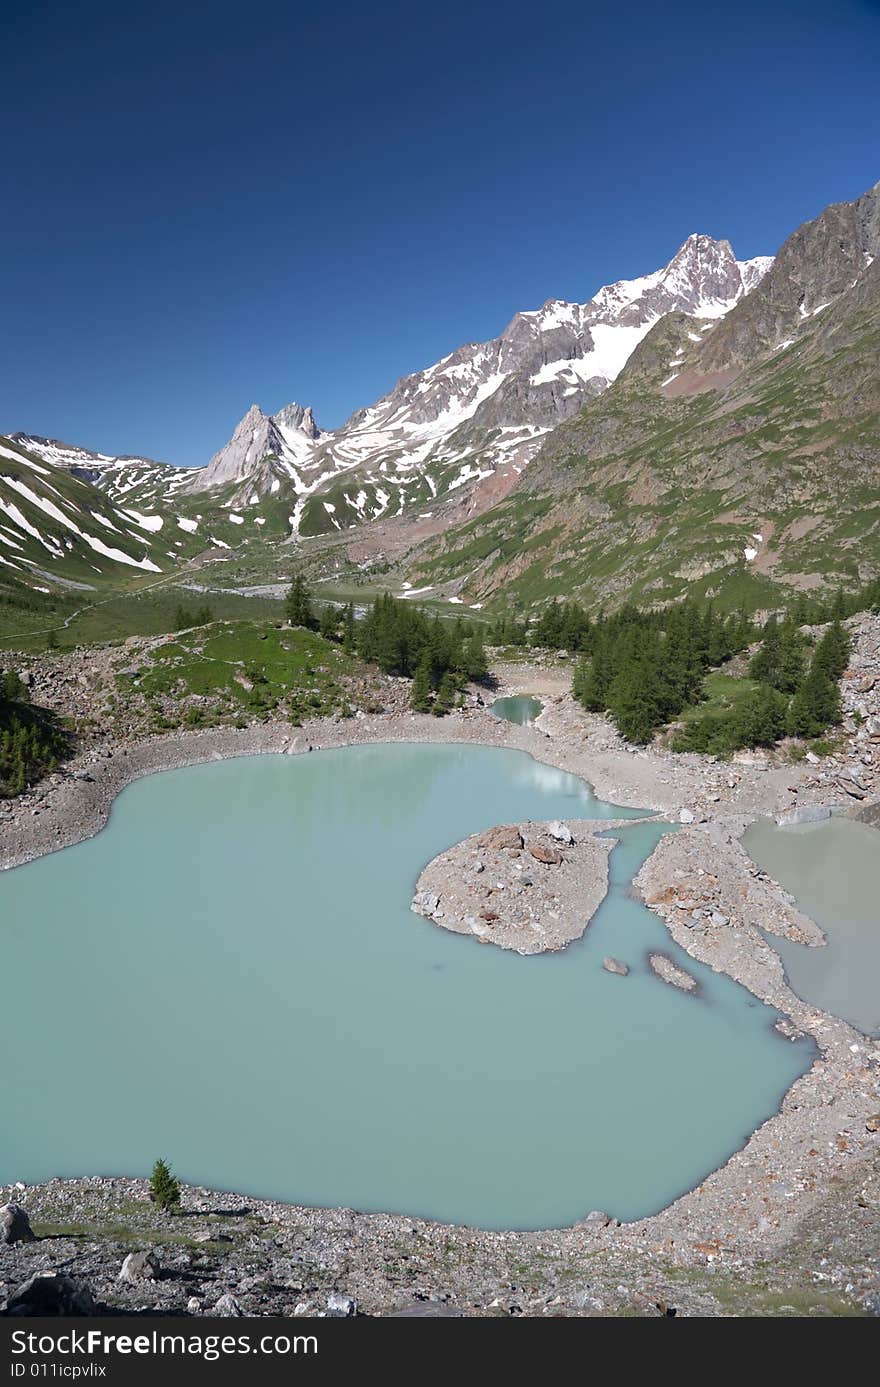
<point x="803" y="1194"/>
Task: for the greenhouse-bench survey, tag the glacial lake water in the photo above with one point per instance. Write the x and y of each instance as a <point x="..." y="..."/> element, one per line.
<point x="833" y="870"/>
<point x="230" y="976"/>
<point x="519" y="708"/>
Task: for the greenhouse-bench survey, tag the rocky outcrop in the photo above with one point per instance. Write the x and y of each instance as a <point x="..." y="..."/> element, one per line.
<point x="818" y="262"/>
<point x="288" y="437"/>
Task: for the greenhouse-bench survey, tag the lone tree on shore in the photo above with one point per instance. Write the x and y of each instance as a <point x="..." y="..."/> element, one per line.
<point x="164" y="1187"/>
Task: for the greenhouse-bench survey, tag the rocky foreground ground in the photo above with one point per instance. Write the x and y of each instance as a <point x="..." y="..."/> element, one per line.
<point x="789" y="1225"/>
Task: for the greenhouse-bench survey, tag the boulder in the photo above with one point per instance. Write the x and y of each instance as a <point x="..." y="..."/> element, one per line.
<point x="614" y="965"/>
<point x="140" y="1266"/>
<point x="15" y="1225"/>
<point x="872" y="1124"/>
<point x="686" y="816"/>
<point x="852" y="789"/>
<point x="560" y="831"/>
<point x="543" y="852"/>
<point x="340" y="1306"/>
<point x="49" y="1293"/>
<point x="227" y="1305"/>
<point x="505" y="836"/>
<point x="808" y="814"/>
<point x="425" y="902"/>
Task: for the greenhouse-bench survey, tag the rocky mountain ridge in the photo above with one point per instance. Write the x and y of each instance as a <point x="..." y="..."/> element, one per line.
<point x="451" y="439"/>
<point x="719" y="462"/>
<point x="478" y="414"/>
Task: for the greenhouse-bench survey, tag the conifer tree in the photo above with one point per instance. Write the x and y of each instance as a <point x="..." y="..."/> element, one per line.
<point x="474" y="662"/>
<point x="832" y="652"/>
<point x="164" y="1188"/>
<point x="329" y="623"/>
<point x="298" y="606"/>
<point x="765" y="664"/>
<point x="348" y="629"/>
<point x="760" y="718"/>
<point x="816" y="705"/>
<point x="596" y="680"/>
<point x="420" y="693"/>
<point x="446" y="695"/>
<point x="579" y="679"/>
<point x="791" y="661"/>
<point x="633" y="704"/>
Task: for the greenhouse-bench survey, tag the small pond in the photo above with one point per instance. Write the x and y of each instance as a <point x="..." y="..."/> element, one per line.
<point x="520" y="708"/>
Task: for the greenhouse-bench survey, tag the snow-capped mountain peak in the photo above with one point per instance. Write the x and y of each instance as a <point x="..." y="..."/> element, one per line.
<point x="477" y="414"/>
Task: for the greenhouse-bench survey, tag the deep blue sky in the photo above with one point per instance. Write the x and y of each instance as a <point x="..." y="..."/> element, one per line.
<point x="210" y="204"/>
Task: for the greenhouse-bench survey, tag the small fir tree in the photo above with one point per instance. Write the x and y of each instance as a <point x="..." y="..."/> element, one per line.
<point x="766" y="663"/>
<point x="164" y="1187"/>
<point x="815" y="706"/>
<point x="298" y="605"/>
<point x="446" y="695"/>
<point x="832" y="652"/>
<point x="329" y="624"/>
<point x="791" y="661"/>
<point x="420" y="694"/>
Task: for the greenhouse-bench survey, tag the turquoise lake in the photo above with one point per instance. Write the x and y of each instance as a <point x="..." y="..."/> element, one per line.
<point x="230" y="976"/>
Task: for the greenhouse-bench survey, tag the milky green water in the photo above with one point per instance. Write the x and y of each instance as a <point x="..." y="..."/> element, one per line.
<point x="230" y="976"/>
<point x="833" y="870"/>
<point x="520" y="708"/>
